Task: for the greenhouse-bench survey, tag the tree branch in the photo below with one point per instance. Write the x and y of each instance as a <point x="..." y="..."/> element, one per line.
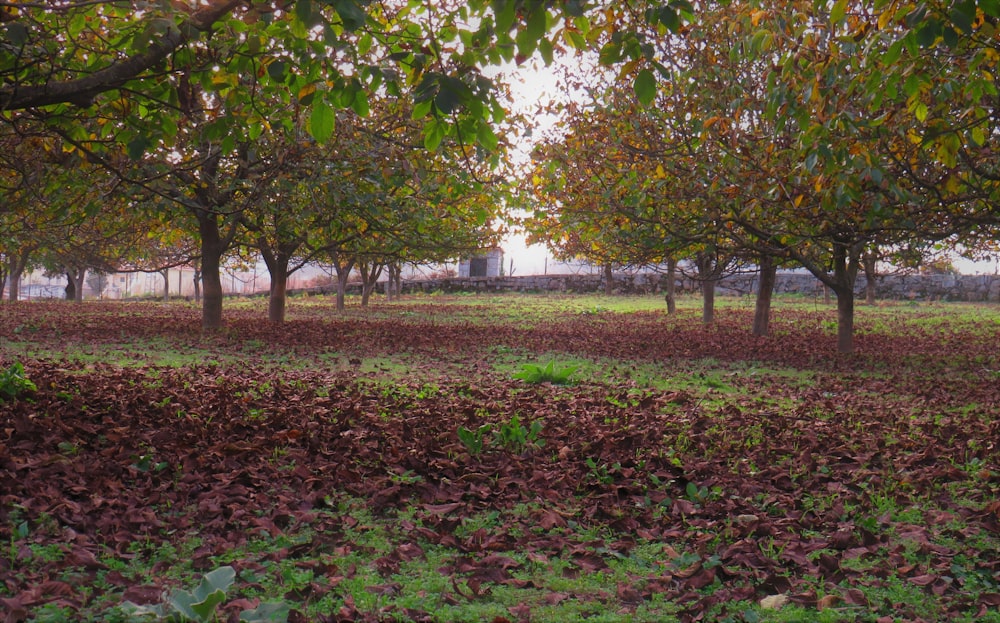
<point x="82" y="91"/>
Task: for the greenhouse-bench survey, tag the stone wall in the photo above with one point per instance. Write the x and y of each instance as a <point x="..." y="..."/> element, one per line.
<point x="893" y="287"/>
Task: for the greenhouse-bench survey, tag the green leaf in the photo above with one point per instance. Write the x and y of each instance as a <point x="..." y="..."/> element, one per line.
<point x="928" y="33"/>
<point x="962" y="15"/>
<point x="610" y="54"/>
<point x="277" y="70"/>
<point x="645" y="87"/>
<point x="990" y="7"/>
<point x="892" y="54"/>
<point x="451" y="93"/>
<point x="275" y="612"/>
<point x="505" y="12"/>
<point x="322" y="121"/>
<point x="434" y="133"/>
<point x="546" y="50"/>
<point x="360" y="103"/>
<point x="422" y="109"/>
<point x="137" y="147"/>
<point x="16" y="33"/>
<point x="838" y="11"/>
<point x="669" y="18"/>
<point x="353" y="16"/>
<point x="304" y="11"/>
<point x="486" y="137"/>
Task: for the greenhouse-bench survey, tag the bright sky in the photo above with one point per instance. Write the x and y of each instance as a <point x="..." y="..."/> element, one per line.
<point x="530" y="87"/>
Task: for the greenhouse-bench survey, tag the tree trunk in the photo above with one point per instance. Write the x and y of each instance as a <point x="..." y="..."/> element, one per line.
<point x="15" y="286"/>
<point x="869" y="261"/>
<point x="197" y="283"/>
<point x="762" y="312"/>
<point x="70" y="287"/>
<point x="16" y="268"/>
<point x="389" y="283"/>
<point x="78" y="278"/>
<point x="705" y="274"/>
<point x="609" y="276"/>
<point x="276" y="258"/>
<point x="342" y="290"/>
<point x="671" y="296"/>
<point x="708" y="301"/>
<point x="369" y="278"/>
<point x="166" y="285"/>
<point x="343" y="274"/>
<point x="845" y="321"/>
<point x="212" y="248"/>
<point x="277" y="301"/>
<point x="845" y="271"/>
<point x="393" y="285"/>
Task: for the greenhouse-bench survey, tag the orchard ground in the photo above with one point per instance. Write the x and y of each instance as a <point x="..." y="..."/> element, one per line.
<point x="412" y="462"/>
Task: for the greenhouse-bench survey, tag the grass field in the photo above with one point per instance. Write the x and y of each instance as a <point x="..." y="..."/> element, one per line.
<point x="499" y="458"/>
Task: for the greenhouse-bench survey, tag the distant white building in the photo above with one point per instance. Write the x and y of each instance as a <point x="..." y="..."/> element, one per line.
<point x="488" y="264"/>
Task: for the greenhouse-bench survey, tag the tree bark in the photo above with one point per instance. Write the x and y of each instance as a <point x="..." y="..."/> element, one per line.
<point x="70" y="287"/>
<point x="845" y="321"/>
<point x="762" y="312"/>
<point x="277" y="301"/>
<point x="166" y="285"/>
<point x="708" y="301"/>
<point x="82" y="91"/>
<point x="369" y="278"/>
<point x="212" y="248"/>
<point x="78" y="278"/>
<point x="277" y="267"/>
<point x="869" y="261"/>
<point x="343" y="274"/>
<point x="18" y="263"/>
<point x="15" y="286"/>
<point x="705" y="274"/>
<point x="671" y="296"/>
<point x="608" y="279"/>
<point x="846" y="258"/>
<point x="197" y="283"/>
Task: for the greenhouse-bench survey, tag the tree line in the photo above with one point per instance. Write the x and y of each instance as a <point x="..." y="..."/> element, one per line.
<point x="814" y="134"/>
<point x="829" y="136"/>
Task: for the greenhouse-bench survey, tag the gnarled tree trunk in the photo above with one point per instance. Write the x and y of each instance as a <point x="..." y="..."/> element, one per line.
<point x="762" y="312"/>
<point x="707" y="276"/>
<point x="671" y="295"/>
<point x="212" y="248"/>
<point x="869" y="261"/>
<point x="369" y="277"/>
<point x="343" y="269"/>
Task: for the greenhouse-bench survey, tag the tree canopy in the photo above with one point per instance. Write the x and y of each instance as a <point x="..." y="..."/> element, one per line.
<point x="799" y="133"/>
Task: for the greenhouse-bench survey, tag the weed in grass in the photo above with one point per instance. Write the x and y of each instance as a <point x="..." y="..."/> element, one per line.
<point x="14" y="382"/>
<point x="474" y="440"/>
<point x="200" y="604"/>
<point x="548" y="373"/>
<point x="516" y="437"/>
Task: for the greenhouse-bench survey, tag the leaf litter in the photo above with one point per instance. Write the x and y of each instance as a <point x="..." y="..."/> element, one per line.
<point x="868" y="474"/>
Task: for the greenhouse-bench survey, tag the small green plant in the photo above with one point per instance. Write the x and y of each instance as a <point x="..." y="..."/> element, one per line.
<point x="549" y="373"/>
<point x="516" y="437"/>
<point x="180" y="606"/>
<point x="602" y="473"/>
<point x="473" y="439"/>
<point x="13" y="382"/>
